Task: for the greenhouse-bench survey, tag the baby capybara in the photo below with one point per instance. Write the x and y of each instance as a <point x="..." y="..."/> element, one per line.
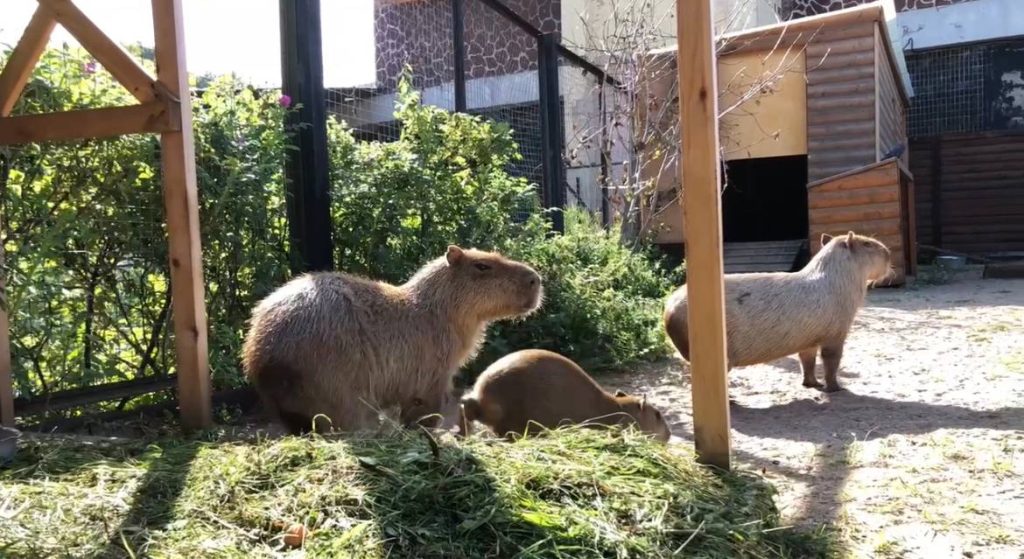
<point x="531" y="390"/>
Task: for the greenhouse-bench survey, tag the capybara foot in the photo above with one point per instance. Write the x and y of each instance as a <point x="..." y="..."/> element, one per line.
<point x="812" y="383"/>
<point x="832" y="388"/>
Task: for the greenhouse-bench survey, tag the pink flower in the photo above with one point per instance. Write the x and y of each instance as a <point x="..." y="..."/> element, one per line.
<point x="285" y="101"/>
<point x="90" y="67"/>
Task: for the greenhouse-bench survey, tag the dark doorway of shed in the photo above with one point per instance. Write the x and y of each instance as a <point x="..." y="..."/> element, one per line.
<point x="765" y="199"/>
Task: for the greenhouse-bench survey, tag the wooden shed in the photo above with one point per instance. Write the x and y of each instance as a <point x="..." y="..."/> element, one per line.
<point x="811" y="100"/>
<point x="876" y="199"/>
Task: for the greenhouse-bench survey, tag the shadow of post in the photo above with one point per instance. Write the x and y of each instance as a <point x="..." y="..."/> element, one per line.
<point x="864" y="418"/>
<point x="154" y="499"/>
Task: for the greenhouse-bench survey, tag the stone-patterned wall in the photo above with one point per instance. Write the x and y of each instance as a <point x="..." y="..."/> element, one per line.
<point x="419" y="33"/>
<point x="793" y="9"/>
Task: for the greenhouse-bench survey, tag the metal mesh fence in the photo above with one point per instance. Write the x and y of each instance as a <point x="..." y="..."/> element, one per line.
<point x="411" y="39"/>
<point x="500" y="62"/>
<point x="586" y="140"/>
<point x="970" y="88"/>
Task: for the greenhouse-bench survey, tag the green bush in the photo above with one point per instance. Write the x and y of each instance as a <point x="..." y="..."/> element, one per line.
<point x="603" y="301"/>
<point x="86" y="247"/>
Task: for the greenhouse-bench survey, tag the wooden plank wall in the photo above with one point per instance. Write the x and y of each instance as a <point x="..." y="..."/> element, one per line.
<point x="978" y="184"/>
<point x="841" y="100"/>
<point x="867" y="202"/>
<point x="892" y="114"/>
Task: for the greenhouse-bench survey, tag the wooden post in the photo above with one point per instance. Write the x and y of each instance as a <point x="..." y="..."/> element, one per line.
<point x="181" y="202"/>
<point x="698" y="113"/>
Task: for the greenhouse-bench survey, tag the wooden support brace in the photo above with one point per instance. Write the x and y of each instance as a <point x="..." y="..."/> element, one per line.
<point x="156" y="116"/>
<point x="24" y="57"/>
<point x="118" y="62"/>
<point x="698" y="114"/>
<point x="181" y="202"/>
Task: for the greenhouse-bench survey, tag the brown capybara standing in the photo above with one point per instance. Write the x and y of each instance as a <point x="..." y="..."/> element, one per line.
<point x="344" y="347"/>
<point x="772" y="315"/>
<point x="530" y="390"/>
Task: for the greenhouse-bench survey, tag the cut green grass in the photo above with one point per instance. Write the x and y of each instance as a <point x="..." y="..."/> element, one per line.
<point x="573" y="493"/>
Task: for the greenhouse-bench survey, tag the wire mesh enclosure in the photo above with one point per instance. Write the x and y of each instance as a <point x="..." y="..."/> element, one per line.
<point x="484" y="58"/>
<point x="969" y="88"/>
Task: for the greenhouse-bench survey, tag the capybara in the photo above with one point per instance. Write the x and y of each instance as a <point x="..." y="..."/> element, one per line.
<point x="340" y="347"/>
<point x="527" y="391"/>
<point x="772" y="315"/>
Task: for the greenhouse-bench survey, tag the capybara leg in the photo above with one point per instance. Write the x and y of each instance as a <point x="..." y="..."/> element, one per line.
<point x="295" y="423"/>
<point x="830" y="356"/>
<point x="427" y="411"/>
<point x="807" y="362"/>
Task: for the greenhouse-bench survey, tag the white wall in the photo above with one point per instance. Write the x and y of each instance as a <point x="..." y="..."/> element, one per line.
<point x="980" y="20"/>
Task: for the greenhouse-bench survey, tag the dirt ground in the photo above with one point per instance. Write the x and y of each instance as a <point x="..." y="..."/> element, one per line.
<point x="922" y="454"/>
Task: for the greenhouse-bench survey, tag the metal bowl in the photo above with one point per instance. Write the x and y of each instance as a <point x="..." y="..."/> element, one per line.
<point x="8" y="443"/>
<point x="951" y="262"/>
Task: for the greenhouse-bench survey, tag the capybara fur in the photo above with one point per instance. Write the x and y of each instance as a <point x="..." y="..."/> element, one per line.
<point x="338" y="348"/>
<point x="772" y="315"/>
<point x="531" y="390"/>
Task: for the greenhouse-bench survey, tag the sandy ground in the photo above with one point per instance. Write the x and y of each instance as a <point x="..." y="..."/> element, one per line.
<point x="922" y="454"/>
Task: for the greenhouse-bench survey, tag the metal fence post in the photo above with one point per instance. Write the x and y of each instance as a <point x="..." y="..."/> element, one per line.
<point x="306" y="169"/>
<point x="551" y="128"/>
<point x="459" y="52"/>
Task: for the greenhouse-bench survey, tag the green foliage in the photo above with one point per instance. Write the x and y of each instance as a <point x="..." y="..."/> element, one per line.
<point x="399" y="204"/>
<point x="87" y="260"/>
<point x="603" y="301"/>
<point x="87" y="255"/>
<point x="573" y="493"/>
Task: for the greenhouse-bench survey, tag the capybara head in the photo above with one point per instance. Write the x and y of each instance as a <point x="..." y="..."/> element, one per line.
<point x="648" y="418"/>
<point x="869" y="254"/>
<point x="492" y="285"/>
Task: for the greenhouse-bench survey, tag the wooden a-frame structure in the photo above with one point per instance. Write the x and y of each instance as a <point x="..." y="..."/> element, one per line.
<point x="165" y="108"/>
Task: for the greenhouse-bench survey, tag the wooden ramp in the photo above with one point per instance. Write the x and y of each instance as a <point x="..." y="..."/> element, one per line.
<point x="767" y="256"/>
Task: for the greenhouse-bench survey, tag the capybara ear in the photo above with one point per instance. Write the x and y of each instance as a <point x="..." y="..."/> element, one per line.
<point x="825" y="238"/>
<point x="454" y="254"/>
<point x="619" y="394"/>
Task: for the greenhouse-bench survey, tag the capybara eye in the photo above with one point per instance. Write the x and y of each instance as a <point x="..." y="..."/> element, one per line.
<point x="481" y="267"/>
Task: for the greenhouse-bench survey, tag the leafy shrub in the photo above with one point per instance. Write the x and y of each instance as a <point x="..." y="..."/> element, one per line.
<point x="87" y="260"/>
<point x="399" y="204"/>
<point x="603" y="301"/>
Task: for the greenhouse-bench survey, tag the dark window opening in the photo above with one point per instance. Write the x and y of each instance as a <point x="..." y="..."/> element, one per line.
<point x="765" y="199"/>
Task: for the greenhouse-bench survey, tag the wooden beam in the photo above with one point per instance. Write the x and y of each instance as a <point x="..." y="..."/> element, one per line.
<point x="24" y="57"/>
<point x="698" y="114"/>
<point x="78" y="397"/>
<point x="108" y="53"/>
<point x="156" y="116"/>
<point x="181" y="202"/>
